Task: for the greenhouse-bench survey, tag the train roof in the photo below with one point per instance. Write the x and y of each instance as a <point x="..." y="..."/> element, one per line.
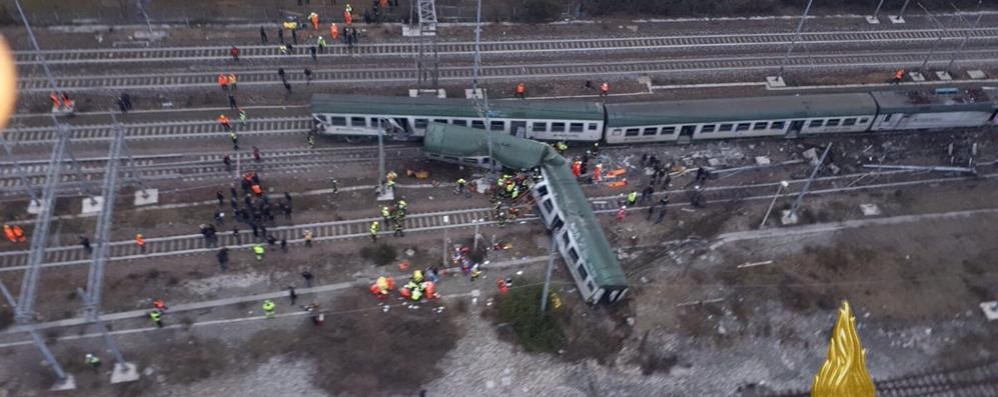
<point x="449" y="140"/>
<point x="576" y="211"/>
<point x="738" y="109"/>
<point x="454" y="107"/>
<point x="929" y="102"/>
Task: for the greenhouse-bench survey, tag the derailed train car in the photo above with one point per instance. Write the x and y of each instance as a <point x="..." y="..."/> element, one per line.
<point x="561" y="204"/>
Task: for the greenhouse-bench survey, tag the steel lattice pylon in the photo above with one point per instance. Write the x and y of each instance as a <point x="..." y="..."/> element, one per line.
<point x="428" y="68"/>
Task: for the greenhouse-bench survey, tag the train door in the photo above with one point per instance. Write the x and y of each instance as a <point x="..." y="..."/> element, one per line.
<point x="686" y="133"/>
<point x="795" y="127"/>
<point x="400" y="128"/>
<point x="518" y="128"/>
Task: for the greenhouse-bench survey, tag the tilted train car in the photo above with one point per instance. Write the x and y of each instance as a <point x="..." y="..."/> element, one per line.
<point x="406" y="118"/>
<point x="561" y="204"/>
<point x="949" y="108"/>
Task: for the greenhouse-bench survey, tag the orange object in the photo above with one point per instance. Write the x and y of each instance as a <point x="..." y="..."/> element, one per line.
<point x="521" y="88"/>
<point x="9" y="232"/>
<point x="315" y="21"/>
<point x="604" y="88"/>
<point x="615" y="173"/>
<point x="257" y="190"/>
<point x="19" y="234"/>
<point x="503" y="288"/>
<point x="577" y="168"/>
<point x="375" y="289"/>
<point x="347" y="17"/>
<point x="431" y="290"/>
<point x="598" y="172"/>
<point x="383" y="4"/>
<point x="899" y="74"/>
<point x="404" y="265"/>
<point x="139" y="240"/>
<point x="334" y="31"/>
<point x="159" y="304"/>
<point x="621" y="183"/>
<point x="223" y="80"/>
<point x="405" y="293"/>
<point x="55" y="100"/>
<point x="223" y="119"/>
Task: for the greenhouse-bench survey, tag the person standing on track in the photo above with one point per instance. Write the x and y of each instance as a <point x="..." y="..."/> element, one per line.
<point x="321" y="43"/>
<point x="308" y="76"/>
<point x="256" y="154"/>
<point x="258" y="250"/>
<point x="157" y="317"/>
<point x="235" y="140"/>
<point x="223" y="258"/>
<point x="140" y="241"/>
<point x="269" y="308"/>
<point x="224" y="121"/>
<point x="308" y="278"/>
<point x="85" y="243"/>
<point x="521" y="90"/>
<point x="604" y="89"/>
<point x="314" y="18"/>
<point x="334" y="31"/>
<point x="242" y="116"/>
<point x="374" y="231"/>
<point x="234" y="52"/>
<point x="307" y="236"/>
<point x="223" y="81"/>
<point x="263" y="36"/>
<point x="232" y="102"/>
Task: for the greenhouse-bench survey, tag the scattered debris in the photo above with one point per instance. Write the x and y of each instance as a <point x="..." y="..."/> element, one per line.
<point x="754" y="264"/>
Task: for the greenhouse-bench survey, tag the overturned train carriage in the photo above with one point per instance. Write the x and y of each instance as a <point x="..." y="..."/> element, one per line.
<point x="561" y="204"/>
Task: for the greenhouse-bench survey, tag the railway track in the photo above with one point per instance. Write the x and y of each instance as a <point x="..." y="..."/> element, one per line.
<point x="407" y="49"/>
<point x="367" y="75"/>
<point x="435" y="221"/>
<point x="978" y="380"/>
<point x="188" y="129"/>
<point x="205" y="166"/>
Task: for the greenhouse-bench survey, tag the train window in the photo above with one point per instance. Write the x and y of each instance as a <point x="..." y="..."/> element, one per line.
<point x="888" y="117"/>
<point x="478" y="124"/>
<point x="760" y="126"/>
<point x="590" y="286"/>
<point x="632" y="132"/>
<point x="557" y="127"/>
<point x="441" y="121"/>
<point x="777" y="125"/>
<point x="548" y="206"/>
<point x="539" y="127"/>
<point x="708" y="128"/>
<point x="321" y="118"/>
<point x="338" y="120"/>
<point x="816" y="123"/>
<point x="863" y="120"/>
<point x="849" y="122"/>
<point x="557" y="224"/>
<point x="649" y="131"/>
<point x="497" y="125"/>
<point x="451" y="158"/>
<point x="358" y="122"/>
<point x="575" y="127"/>
<point x="374" y="122"/>
<point x="421" y="123"/>
<point x="574" y="255"/>
<point x="463" y="123"/>
<point x="542" y="190"/>
<point x="832" y="123"/>
<point x="593" y="126"/>
<point x="743" y="127"/>
<point x="668" y="130"/>
<point x="583" y="274"/>
<point x="564" y="238"/>
<point x="724" y="127"/>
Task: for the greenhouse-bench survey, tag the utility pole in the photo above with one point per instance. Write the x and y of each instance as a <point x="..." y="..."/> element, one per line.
<point x="899" y="18"/>
<point x="427" y="28"/>
<point x="966" y="37"/>
<point x="932" y="50"/>
<point x="874" y="19"/>
<point x="783" y="185"/>
<point x="21" y="174"/>
<point x="807" y="185"/>
<point x="142" y="10"/>
<point x="793" y="42"/>
<point x="481" y="99"/>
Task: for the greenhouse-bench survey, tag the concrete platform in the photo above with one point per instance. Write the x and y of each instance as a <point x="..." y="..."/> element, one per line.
<point x="775" y="82"/>
<point x="150" y="196"/>
<point x="896" y="19"/>
<point x="66" y="384"/>
<point x="94" y="206"/>
<point x="943" y="75"/>
<point x="124" y="372"/>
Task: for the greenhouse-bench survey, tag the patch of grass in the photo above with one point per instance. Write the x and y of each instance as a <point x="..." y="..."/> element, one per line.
<point x="380" y="254"/>
<point x="520" y="308"/>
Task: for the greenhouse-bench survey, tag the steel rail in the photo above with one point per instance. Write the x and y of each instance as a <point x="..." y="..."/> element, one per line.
<point x="434" y="221"/>
<point x="706" y="65"/>
<point x="187" y="129"/>
<point x="513" y="47"/>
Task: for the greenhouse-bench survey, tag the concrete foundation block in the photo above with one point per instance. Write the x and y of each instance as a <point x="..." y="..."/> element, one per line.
<point x="896" y="19"/>
<point x="775" y="82"/>
<point x="872" y="20"/>
<point x="976" y="74"/>
<point x="124" y="372"/>
<point x="146" y="197"/>
<point x="92" y="206"/>
<point x="34" y="207"/>
<point x="916" y="76"/>
<point x="66" y="384"/>
<point x="943" y="75"/>
<point x="788" y="219"/>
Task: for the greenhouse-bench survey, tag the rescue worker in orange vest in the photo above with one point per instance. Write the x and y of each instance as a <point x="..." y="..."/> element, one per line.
<point x="347" y="17"/>
<point x="315" y="20"/>
<point x="898" y="76"/>
<point x="334" y="31"/>
<point x="257" y="190"/>
<point x="56" y="103"/>
<point x="598" y="173"/>
<point x="604" y="89"/>
<point x="224" y="121"/>
<point x="9" y="232"/>
<point x="159" y="304"/>
<point x="66" y="102"/>
<point x="503" y="287"/>
<point x="577" y="168"/>
<point x="521" y="91"/>
<point x="141" y="242"/>
<point x="430" y="289"/>
<point x="223" y="81"/>
<point x="383" y="4"/>
<point x="19" y="234"/>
